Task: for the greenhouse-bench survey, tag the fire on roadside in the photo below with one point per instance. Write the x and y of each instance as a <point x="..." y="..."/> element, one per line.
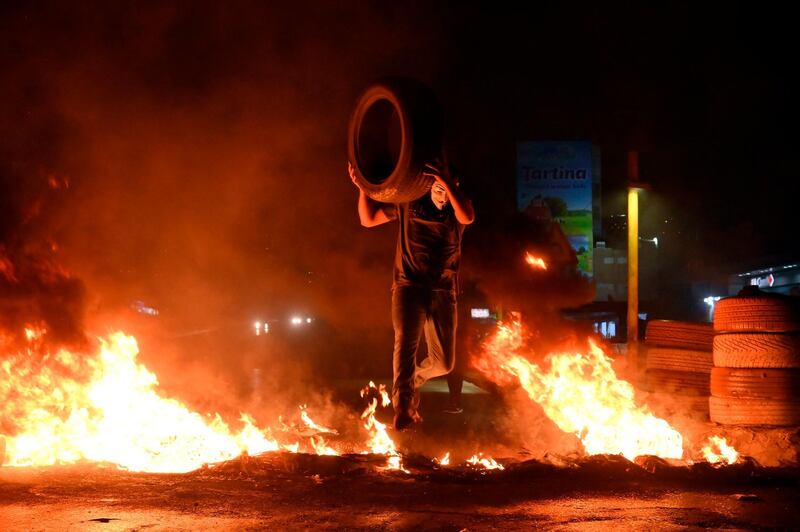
<point x="582" y="394"/>
<point x="535" y="262"/>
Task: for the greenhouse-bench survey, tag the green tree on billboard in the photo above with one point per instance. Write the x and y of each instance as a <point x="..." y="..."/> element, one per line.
<point x="557" y="206"/>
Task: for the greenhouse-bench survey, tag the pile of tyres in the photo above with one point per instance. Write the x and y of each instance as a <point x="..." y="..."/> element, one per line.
<point x="756" y="353"/>
<point x="679" y="360"/>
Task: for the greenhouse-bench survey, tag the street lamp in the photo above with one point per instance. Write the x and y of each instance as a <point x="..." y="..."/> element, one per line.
<point x="634" y="187"/>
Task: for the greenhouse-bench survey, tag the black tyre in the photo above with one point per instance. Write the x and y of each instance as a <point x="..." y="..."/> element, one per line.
<point x="764" y="313"/>
<point x="395" y="129"/>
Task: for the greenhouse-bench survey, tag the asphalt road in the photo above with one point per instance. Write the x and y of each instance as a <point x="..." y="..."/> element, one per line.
<point x="282" y="491"/>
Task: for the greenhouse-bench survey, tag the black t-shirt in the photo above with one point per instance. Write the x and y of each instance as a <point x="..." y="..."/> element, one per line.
<point x="428" y="245"/>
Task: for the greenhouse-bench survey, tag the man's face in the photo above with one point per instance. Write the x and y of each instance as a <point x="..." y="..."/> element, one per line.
<point x="439" y="195"/>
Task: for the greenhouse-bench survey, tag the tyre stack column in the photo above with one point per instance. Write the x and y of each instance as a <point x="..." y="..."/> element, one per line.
<point x="679" y="362"/>
<point x="756" y="374"/>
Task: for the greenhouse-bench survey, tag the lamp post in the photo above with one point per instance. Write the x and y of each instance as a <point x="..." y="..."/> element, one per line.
<point x="634" y="187"/>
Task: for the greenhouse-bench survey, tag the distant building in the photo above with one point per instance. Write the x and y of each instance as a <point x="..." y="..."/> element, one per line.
<point x="778" y="276"/>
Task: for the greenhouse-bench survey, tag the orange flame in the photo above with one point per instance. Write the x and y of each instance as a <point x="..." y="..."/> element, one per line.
<point x="717" y="451"/>
<point x="322" y="448"/>
<point x="535" y="262"/>
<point x="106" y="408"/>
<point x="582" y="394"/>
<point x="312" y="425"/>
<point x="379" y="441"/>
<point x="32" y="333"/>
<point x="487" y="462"/>
<point x="444" y="460"/>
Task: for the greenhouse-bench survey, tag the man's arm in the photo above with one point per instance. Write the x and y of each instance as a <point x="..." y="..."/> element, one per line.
<point x="371" y="212"/>
<point x="462" y="205"/>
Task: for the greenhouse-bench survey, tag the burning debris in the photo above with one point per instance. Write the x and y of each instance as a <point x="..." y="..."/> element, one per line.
<point x="476" y="461"/>
<point x="65" y="407"/>
<point x="535" y="262"/>
<point x="717" y="451"/>
<point x="582" y="394"/>
<point x="97" y="402"/>
<point x="379" y="441"/>
<point x="485" y="462"/>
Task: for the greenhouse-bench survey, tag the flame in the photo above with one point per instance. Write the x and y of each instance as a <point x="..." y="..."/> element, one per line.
<point x="292" y="447"/>
<point x="724" y="453"/>
<point x="322" y="448"/>
<point x="444" y="460"/>
<point x="385" y="401"/>
<point x="582" y="394"/>
<point x="311" y="424"/>
<point x="535" y="262"/>
<point x="254" y="440"/>
<point x="32" y="333"/>
<point x="487" y="462"/>
<point x="379" y="441"/>
<point x="105" y="408"/>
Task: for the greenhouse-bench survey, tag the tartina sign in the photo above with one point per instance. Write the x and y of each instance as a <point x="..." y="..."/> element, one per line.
<point x="560" y="175"/>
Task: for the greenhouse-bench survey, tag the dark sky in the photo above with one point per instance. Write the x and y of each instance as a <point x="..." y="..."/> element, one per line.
<point x="204" y="142"/>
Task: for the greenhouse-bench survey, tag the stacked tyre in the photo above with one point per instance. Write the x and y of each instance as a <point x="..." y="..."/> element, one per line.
<point x="756" y="374"/>
<point x="679" y="358"/>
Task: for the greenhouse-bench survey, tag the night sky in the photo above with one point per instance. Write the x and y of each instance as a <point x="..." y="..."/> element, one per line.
<point x="204" y="145"/>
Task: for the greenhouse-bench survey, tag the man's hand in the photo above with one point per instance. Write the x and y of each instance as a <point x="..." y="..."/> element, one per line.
<point x="353" y="175"/>
<point x="439" y="170"/>
<point x="370" y="212"/>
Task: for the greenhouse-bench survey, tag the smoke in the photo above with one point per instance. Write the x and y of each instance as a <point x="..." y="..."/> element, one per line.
<point x="35" y="294"/>
<point x="193" y="158"/>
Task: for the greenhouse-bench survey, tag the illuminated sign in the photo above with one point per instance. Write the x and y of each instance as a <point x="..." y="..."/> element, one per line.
<point x="559" y="174"/>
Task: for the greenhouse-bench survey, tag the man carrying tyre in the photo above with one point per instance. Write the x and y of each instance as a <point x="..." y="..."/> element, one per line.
<point x="425" y="280"/>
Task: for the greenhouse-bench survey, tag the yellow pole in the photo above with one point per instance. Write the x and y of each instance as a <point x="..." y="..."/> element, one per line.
<point x="633" y="255"/>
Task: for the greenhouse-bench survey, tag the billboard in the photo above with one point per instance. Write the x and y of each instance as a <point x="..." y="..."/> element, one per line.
<point x="561" y="175"/>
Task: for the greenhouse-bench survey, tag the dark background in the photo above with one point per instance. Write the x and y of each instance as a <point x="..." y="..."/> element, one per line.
<point x="192" y="154"/>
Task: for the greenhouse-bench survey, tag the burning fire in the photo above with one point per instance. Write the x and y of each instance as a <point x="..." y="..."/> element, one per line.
<point x="63" y="408"/>
<point x="379" y="441"/>
<point x="486" y="463"/>
<point x="477" y="460"/>
<point x="321" y="448"/>
<point x="312" y="425"/>
<point x="582" y="394"/>
<point x="535" y="262"/>
<point x="105" y="408"/>
<point x="444" y="460"/>
<point x="717" y="451"/>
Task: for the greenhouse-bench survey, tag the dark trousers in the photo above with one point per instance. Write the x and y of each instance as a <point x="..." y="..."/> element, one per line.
<point x="414" y="310"/>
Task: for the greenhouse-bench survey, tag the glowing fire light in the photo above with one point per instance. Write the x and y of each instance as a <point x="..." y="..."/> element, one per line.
<point x="487" y="462"/>
<point x="717" y="451"/>
<point x="34" y="334"/>
<point x="444" y="460"/>
<point x="321" y="448"/>
<point x="105" y="408"/>
<point x="583" y="396"/>
<point x="379" y="441"/>
<point x="292" y="448"/>
<point x="535" y="262"/>
<point x="312" y="425"/>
